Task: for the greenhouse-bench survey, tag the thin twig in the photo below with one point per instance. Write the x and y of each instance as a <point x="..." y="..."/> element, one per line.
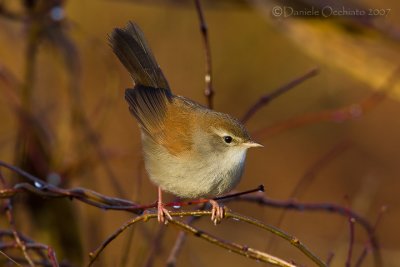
<point x="10" y="217"/>
<point x="260" y="188"/>
<point x="72" y="64"/>
<point x="104" y="202"/>
<point x="9" y="233"/>
<point x="310" y="175"/>
<point x="126" y="248"/>
<point x="180" y="240"/>
<point x="47" y="190"/>
<point x="329" y="259"/>
<point x="233" y="247"/>
<point x="267" y="98"/>
<point x="36" y="247"/>
<point x="351" y="241"/>
<point x="91" y="197"/>
<point x="155" y="247"/>
<point x="351" y="222"/>
<point x="98" y="200"/>
<point x="341" y="114"/>
<point x="93" y="138"/>
<point x="367" y="246"/>
<point x="209" y="90"/>
<point x="10" y="259"/>
<point x="293" y="240"/>
<point x="95" y="254"/>
<point x="176" y="249"/>
<point x="311" y="172"/>
<point x="242" y="250"/>
<point x="300" y="206"/>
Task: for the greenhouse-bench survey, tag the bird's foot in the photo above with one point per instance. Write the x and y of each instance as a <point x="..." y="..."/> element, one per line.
<point x="217" y="212"/>
<point x="162" y="213"/>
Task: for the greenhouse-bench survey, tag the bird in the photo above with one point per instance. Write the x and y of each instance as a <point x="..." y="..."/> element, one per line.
<point x="189" y="150"/>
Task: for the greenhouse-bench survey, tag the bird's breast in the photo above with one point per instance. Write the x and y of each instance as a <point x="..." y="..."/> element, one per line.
<point x="191" y="175"/>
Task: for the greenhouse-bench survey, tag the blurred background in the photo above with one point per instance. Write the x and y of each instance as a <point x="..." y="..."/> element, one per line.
<point x="64" y="119"/>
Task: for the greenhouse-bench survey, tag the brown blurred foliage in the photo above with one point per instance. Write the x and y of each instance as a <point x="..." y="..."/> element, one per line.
<point x="63" y="119"/>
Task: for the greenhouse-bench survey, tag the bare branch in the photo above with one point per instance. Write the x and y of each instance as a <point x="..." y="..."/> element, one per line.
<point x="351" y="241"/>
<point x="293" y="240"/>
<point x="95" y="199"/>
<point x="239" y="249"/>
<point x="10" y="217"/>
<point x="330" y="258"/>
<point x="96" y="253"/>
<point x="209" y="90"/>
<point x="180" y="240"/>
<point x="310" y="175"/>
<point x="242" y="250"/>
<point x="36" y="247"/>
<point x="155" y="247"/>
<point x="327" y="207"/>
<point x="267" y="98"/>
<point x="367" y="247"/>
<point x="335" y="115"/>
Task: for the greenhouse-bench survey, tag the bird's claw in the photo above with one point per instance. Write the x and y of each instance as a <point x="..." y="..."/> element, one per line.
<point x="162" y="213"/>
<point x="217" y="212"/>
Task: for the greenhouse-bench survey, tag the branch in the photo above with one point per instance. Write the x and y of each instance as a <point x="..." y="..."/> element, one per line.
<point x="293" y="240"/>
<point x="367" y="247"/>
<point x="87" y="196"/>
<point x="208" y="91"/>
<point x="95" y="199"/>
<point x="180" y="240"/>
<point x="309" y="176"/>
<point x="342" y="114"/>
<point x="311" y="173"/>
<point x="330" y="258"/>
<point x="49" y="260"/>
<point x="239" y="249"/>
<point x="95" y="254"/>
<point x="90" y="197"/>
<point x="351" y="241"/>
<point x="327" y="207"/>
<point x="155" y="247"/>
<point x="267" y="98"/>
<point x="10" y="217"/>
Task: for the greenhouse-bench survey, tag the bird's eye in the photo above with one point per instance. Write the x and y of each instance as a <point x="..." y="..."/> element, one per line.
<point x="228" y="139"/>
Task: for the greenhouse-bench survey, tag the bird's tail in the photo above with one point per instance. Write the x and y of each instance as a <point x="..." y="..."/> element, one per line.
<point x="132" y="50"/>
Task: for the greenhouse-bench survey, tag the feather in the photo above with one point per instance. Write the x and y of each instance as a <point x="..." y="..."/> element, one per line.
<point x="149" y="105"/>
<point x="134" y="53"/>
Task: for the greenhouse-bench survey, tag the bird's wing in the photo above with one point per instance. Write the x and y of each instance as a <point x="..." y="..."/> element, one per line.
<point x="150" y="106"/>
<point x="167" y="119"/>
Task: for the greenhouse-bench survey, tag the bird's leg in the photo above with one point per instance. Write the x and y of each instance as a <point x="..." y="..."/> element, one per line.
<point x="217" y="212"/>
<point x="161" y="211"/>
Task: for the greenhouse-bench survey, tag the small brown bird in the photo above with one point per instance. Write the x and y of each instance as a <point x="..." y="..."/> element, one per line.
<point x="189" y="150"/>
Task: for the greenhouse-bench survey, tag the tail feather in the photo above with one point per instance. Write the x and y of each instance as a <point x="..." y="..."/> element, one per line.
<point x="134" y="53"/>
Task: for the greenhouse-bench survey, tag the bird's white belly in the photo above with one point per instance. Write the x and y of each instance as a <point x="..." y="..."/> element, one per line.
<point x="189" y="177"/>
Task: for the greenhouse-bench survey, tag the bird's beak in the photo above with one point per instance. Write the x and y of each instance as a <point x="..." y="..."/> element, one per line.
<point x="252" y="144"/>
